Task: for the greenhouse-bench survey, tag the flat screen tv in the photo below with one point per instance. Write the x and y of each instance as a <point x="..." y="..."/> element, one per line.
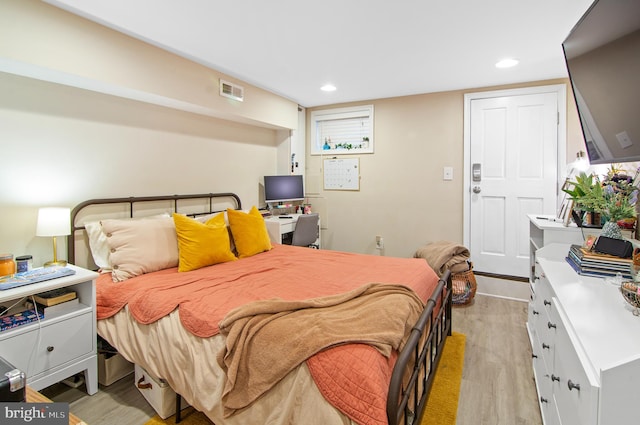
<point x="602" y="53"/>
<point x="283" y="188"/>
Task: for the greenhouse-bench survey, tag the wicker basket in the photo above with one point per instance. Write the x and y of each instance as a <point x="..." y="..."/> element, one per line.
<point x="464" y="286"/>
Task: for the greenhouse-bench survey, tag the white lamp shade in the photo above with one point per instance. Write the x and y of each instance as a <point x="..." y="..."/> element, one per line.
<point x="53" y="222"/>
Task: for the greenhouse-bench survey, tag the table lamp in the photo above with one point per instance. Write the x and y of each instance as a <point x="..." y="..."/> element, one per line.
<point x="54" y="222"/>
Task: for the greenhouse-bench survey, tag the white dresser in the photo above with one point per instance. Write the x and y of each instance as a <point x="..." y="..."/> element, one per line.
<point x="586" y="346"/>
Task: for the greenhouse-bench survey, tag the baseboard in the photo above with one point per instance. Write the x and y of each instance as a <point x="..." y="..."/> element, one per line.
<point x="502" y="276"/>
<point x="501" y="287"/>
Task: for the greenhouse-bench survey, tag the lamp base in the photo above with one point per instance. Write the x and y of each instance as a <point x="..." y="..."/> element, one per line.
<point x="59" y="263"/>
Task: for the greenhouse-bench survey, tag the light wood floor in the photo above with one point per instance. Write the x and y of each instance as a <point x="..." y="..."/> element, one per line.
<point x="497" y="381"/>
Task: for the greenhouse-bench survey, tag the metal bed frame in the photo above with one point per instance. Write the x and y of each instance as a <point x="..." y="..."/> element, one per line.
<point x="415" y="367"/>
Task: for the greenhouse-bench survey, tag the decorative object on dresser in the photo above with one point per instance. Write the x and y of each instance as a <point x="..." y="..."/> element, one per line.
<point x="54" y="222"/>
<point x="631" y="294"/>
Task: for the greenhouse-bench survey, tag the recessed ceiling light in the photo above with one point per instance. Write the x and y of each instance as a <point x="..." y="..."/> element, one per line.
<point x="328" y="87"/>
<point x="507" y="63"/>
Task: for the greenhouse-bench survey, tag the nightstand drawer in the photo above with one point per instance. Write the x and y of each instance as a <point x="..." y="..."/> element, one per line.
<point x="39" y="350"/>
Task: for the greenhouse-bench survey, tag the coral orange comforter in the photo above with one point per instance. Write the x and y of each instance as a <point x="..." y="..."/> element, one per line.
<point x="352" y="377"/>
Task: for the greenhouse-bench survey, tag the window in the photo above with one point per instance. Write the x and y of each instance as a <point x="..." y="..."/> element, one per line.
<point x="342" y="131"/>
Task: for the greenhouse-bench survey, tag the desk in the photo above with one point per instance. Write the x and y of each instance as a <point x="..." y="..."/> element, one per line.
<point x="280" y="228"/>
<point x="35" y="397"/>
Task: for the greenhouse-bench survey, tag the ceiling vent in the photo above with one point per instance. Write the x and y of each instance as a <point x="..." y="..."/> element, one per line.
<point x="232" y="91"/>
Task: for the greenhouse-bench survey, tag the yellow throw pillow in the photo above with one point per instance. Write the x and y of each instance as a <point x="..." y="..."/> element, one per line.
<point x="202" y="244"/>
<point x="249" y="232"/>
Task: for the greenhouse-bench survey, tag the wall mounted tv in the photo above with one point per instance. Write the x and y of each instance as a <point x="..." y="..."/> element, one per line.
<point x="602" y="54"/>
<point x="283" y="188"/>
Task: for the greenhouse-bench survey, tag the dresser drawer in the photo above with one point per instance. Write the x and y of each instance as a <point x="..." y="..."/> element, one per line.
<point x="39" y="350"/>
<point x="576" y="395"/>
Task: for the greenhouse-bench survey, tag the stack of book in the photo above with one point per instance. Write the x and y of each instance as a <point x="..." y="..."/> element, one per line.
<point x="590" y="263"/>
<point x="55" y="302"/>
<point x="47" y="305"/>
<point x="13" y="320"/>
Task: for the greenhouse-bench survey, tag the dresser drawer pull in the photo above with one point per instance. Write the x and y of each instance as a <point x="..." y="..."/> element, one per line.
<point x="535" y="356"/>
<point x="551" y="325"/>
<point x="546" y="302"/>
<point x="573" y="386"/>
<point x="50" y="348"/>
<point x="543" y="400"/>
<point x="535" y="312"/>
<point x="555" y="378"/>
<point x="545" y="346"/>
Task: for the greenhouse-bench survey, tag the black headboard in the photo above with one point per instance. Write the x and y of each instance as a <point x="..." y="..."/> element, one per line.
<point x="191" y="205"/>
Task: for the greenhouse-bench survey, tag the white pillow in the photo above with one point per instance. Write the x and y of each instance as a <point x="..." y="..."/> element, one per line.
<point x="98" y="241"/>
<point x="98" y="245"/>
<point x="140" y="246"/>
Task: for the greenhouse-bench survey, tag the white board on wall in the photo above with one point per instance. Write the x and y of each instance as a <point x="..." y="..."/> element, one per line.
<point x="341" y="174"/>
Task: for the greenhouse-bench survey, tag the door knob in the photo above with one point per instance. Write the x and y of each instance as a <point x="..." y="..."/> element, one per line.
<point x="476" y="189"/>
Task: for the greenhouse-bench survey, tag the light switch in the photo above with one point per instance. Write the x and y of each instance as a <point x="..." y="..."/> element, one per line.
<point x="448" y="173"/>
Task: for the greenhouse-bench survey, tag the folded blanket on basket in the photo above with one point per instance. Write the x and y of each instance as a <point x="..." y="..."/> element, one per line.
<point x="267" y="339"/>
<point x="443" y="255"/>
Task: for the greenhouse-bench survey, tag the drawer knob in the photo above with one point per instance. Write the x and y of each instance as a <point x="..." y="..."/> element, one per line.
<point x="545" y="346"/>
<point x="555" y="378"/>
<point x="573" y="386"/>
<point x="535" y="312"/>
<point x="551" y="325"/>
<point x="546" y="302"/>
<point x="50" y="348"/>
<point x="535" y="356"/>
<point x="543" y="400"/>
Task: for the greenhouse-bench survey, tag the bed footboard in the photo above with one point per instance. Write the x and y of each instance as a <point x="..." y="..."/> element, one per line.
<point x="415" y="368"/>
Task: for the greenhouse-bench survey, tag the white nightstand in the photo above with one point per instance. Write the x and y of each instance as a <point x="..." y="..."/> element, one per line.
<point x="58" y="347"/>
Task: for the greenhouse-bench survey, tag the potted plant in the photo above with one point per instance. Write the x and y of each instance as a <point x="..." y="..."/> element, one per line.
<point x="588" y="197"/>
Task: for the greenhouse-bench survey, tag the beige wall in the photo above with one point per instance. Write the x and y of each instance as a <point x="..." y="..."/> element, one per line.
<point x="61" y="145"/>
<point x="41" y="39"/>
<point x="402" y="195"/>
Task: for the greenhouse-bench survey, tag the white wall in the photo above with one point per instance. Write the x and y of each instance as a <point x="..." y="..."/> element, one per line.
<point x="61" y="146"/>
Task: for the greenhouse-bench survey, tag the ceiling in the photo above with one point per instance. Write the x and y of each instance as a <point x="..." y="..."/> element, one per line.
<point x="368" y="49"/>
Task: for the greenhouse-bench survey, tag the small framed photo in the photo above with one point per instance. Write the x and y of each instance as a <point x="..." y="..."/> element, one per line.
<point x="565" y="211"/>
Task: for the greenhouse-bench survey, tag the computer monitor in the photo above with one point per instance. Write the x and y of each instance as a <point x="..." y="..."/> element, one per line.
<point x="283" y="188"/>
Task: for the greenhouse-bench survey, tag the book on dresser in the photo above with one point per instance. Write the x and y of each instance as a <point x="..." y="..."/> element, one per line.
<point x="55" y="309"/>
<point x="54" y="297"/>
<point x="11" y="321"/>
<point x="598" y="265"/>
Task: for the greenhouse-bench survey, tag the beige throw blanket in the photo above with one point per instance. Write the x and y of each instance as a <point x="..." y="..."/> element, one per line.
<point x="267" y="339"/>
<point x="443" y="255"/>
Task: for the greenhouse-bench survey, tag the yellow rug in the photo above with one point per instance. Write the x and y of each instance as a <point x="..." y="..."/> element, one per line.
<point x="442" y="406"/>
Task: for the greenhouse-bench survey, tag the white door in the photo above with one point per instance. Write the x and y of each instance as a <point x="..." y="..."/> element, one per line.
<point x="513" y="149"/>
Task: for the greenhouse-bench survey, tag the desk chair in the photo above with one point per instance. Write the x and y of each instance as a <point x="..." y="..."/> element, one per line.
<point x="306" y="231"/>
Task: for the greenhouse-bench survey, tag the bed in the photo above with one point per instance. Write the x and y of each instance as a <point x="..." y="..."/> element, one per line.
<point x="272" y="334"/>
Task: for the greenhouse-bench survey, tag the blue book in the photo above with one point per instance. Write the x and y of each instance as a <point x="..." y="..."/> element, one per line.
<point x="18" y="319"/>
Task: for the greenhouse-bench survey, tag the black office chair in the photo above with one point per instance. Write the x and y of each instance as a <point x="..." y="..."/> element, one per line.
<point x="306" y="231"/>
